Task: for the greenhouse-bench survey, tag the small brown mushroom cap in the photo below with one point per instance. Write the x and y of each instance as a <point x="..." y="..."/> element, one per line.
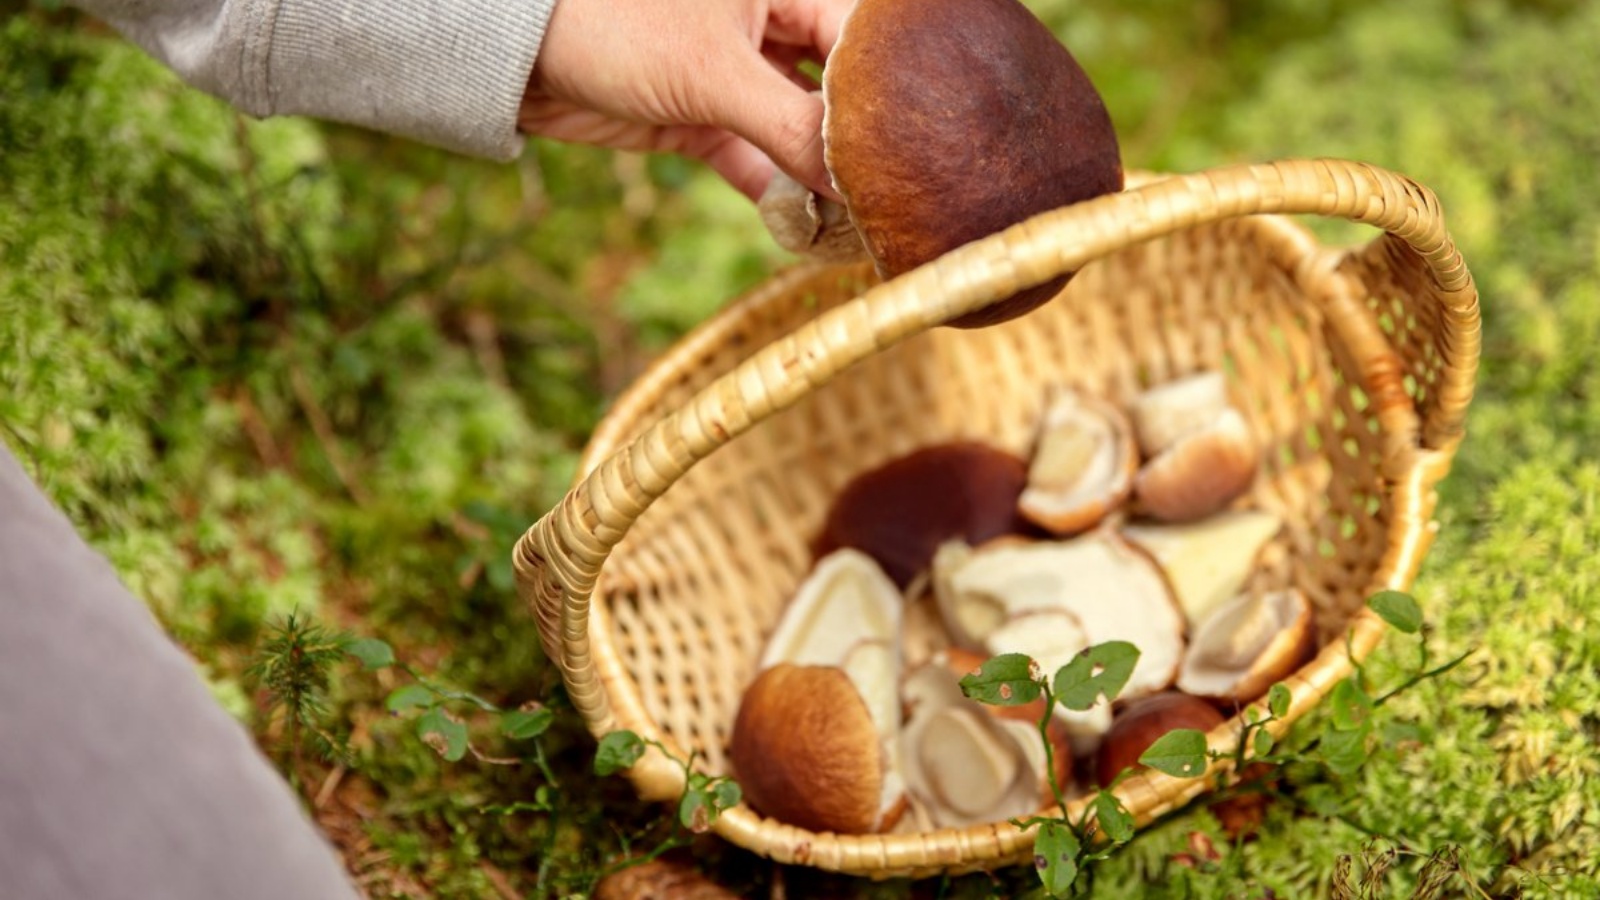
<point x="1200" y="474"/>
<point x="947" y="122"/>
<point x="1142" y="722"/>
<point x="900" y="512"/>
<point x="806" y="751"/>
<point x="661" y="879"/>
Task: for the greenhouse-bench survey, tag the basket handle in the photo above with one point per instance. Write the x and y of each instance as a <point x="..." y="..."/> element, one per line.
<point x="558" y="560"/>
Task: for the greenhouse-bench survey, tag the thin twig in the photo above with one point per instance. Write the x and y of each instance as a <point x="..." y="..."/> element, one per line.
<point x="322" y="427"/>
<point x="255" y="428"/>
<point x="329" y="785"/>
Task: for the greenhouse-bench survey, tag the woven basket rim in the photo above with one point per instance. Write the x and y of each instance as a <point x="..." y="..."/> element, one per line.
<point x="559" y="560"/>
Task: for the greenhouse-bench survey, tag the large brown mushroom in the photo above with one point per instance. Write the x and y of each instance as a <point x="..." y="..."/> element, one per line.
<point x="947" y="122"/>
<point x="807" y="750"/>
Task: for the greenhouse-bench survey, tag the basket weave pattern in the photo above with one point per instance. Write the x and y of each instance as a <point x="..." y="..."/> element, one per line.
<point x="1353" y="368"/>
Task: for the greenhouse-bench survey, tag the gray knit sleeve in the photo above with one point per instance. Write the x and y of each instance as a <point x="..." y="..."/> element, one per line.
<point x="450" y="73"/>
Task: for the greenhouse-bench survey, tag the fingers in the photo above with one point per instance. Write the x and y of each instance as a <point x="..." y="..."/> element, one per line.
<point x="739" y="162"/>
<point x="780" y="118"/>
<point x="813" y="24"/>
<point x="787" y="58"/>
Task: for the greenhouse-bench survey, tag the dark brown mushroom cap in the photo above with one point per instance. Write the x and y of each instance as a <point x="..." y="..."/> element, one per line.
<point x="947" y="122"/>
<point x="1144" y="721"/>
<point x="900" y="512"/>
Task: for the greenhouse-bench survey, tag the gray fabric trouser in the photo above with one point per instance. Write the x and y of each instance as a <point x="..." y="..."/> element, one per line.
<point x="119" y="776"/>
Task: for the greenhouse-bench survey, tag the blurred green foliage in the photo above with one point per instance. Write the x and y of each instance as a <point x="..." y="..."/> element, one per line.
<point x="279" y="366"/>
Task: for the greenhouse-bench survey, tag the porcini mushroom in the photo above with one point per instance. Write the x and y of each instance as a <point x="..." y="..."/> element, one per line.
<point x="946" y="123"/>
<point x="1174" y="409"/>
<point x="901" y="511"/>
<point x="1246" y="645"/>
<point x="1115" y="592"/>
<point x="1201" y="473"/>
<point x="1082" y="466"/>
<point x="807" y="751"/>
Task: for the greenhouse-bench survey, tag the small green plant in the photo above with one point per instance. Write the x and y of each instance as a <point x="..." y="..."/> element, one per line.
<point x="704" y="797"/>
<point x="1066" y="849"/>
<point x="444" y="728"/>
<point x="441" y="725"/>
<point x="293" y="666"/>
<point x="1346" y="743"/>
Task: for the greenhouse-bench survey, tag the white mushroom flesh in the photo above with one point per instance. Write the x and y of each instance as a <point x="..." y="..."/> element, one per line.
<point x="1115" y="592"/>
<point x="1167" y="412"/>
<point x="1209" y="561"/>
<point x="1254" y="638"/>
<point x="847" y="598"/>
<point x="1082" y="466"/>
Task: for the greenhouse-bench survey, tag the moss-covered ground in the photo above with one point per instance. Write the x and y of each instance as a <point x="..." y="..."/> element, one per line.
<point x="284" y="367"/>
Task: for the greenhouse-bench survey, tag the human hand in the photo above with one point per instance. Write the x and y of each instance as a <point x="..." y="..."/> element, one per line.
<point x="712" y="79"/>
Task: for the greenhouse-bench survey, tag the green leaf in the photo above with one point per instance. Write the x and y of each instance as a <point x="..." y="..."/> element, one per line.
<point x="1401" y="733"/>
<point x="1350" y="706"/>
<point x="1399" y="610"/>
<point x="1278" y="699"/>
<point x="618" y="750"/>
<point x="1099" y="671"/>
<point x="373" y="653"/>
<point x="1055" y="856"/>
<point x="696" y="809"/>
<point x="445" y="735"/>
<point x="727" y="793"/>
<point x="1010" y="679"/>
<point x="1264" y="742"/>
<point x="1114" y="818"/>
<point x="1180" y="752"/>
<point x="1345" y="751"/>
<point x="412" y="695"/>
<point x="522" y="724"/>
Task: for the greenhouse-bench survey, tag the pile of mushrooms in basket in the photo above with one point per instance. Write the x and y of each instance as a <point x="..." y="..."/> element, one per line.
<point x="947" y="122"/>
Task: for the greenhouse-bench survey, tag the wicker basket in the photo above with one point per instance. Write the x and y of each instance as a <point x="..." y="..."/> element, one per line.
<point x="658" y="577"/>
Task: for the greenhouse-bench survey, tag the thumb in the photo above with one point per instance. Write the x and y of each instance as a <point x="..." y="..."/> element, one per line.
<point x="779" y="117"/>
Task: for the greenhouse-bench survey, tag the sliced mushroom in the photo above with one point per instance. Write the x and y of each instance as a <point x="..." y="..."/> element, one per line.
<point x="807" y="751"/>
<point x="1175" y="409"/>
<point x="900" y="512"/>
<point x="1082" y="467"/>
<point x="1142" y="722"/>
<point x="845" y="599"/>
<point x="1116" y="592"/>
<point x="1246" y="645"/>
<point x="945" y="123"/>
<point x="969" y="764"/>
<point x="1201" y="473"/>
<point x="1208" y="561"/>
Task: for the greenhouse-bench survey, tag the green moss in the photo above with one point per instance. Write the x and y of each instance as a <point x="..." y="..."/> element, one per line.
<point x="277" y="366"/>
